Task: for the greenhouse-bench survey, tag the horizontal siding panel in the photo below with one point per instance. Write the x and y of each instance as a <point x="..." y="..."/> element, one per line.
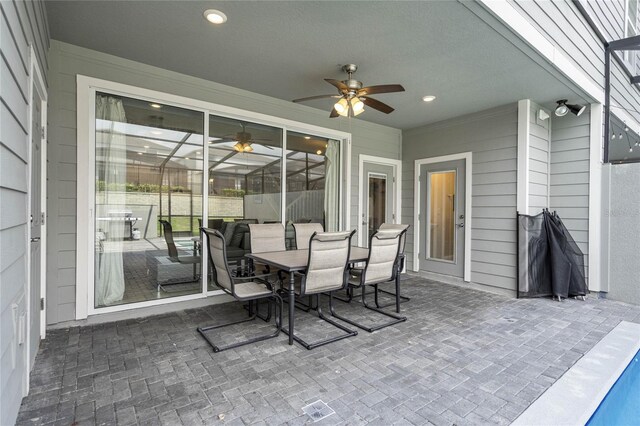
<point x="538" y="177"/>
<point x="497" y="188"/>
<point x="13" y="136"/>
<point x="538" y="155"/>
<point x="495" y="155"/>
<point x="566" y="156"/>
<point x="539" y="167"/>
<point x="493" y="212"/>
<point x="564" y="178"/>
<point x="493" y="246"/>
<point x="570" y="167"/>
<point x="494" y="201"/>
<point x="494" y="235"/>
<point x="13" y="56"/>
<point x="570" y="212"/>
<point x="12" y="97"/>
<point x="494" y="269"/>
<point x="570" y="190"/>
<point x="496" y="166"/>
<point x="493" y="178"/>
<point x="493" y="280"/>
<point x="493" y="258"/>
<point x="14" y="171"/>
<point x="13" y="209"/>
<point x="537" y="189"/>
<point x="500" y="224"/>
<point x="569" y="145"/>
<point x="12" y="245"/>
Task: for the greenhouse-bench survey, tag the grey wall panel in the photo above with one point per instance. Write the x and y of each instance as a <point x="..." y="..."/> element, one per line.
<point x="21" y="24"/>
<point x="621" y="216"/>
<point x="570" y="175"/>
<point x="492" y="138"/>
<point x="67" y="61"/>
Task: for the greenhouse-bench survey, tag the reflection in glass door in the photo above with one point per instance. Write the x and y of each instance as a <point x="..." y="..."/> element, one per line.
<point x="377" y="210"/>
<point x="442" y="200"/>
<point x="148" y="191"/>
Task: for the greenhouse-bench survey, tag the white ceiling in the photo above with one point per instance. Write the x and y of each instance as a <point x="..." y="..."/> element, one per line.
<point x="285" y="49"/>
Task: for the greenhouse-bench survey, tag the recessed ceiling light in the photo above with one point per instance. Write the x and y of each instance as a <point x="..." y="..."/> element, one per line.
<point x="319" y="152"/>
<point x="307" y="137"/>
<point x="428" y="98"/>
<point x="156" y="106"/>
<point x="215" y="16"/>
<point x="139" y="153"/>
<point x="156" y="132"/>
<point x="146" y="146"/>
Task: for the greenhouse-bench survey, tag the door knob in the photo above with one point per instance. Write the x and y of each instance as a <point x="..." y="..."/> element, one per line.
<point x="460" y="225"/>
<point x="35" y="239"/>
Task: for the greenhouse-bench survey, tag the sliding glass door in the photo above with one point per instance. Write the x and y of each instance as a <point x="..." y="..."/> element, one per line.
<point x="148" y="199"/>
<point x="157" y="181"/>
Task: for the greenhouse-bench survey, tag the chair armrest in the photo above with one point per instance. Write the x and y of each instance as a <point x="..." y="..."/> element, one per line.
<point x="246" y="241"/>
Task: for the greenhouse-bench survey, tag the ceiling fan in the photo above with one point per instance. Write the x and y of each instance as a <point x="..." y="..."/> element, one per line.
<point x="353" y="97"/>
<point x="243" y="140"/>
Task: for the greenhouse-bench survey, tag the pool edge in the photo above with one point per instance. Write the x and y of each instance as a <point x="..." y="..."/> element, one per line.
<point x="575" y="396"/>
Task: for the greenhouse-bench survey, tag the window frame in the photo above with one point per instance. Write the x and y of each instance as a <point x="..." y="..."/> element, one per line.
<point x="85" y="208"/>
<point x="630" y="56"/>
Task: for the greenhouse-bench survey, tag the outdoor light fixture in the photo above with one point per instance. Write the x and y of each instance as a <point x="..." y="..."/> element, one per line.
<point x="215" y="16"/>
<point x="563" y="108"/>
<point x="542" y="115"/>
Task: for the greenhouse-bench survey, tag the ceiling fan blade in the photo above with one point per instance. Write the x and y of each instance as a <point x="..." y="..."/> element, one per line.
<point x="334" y="113"/>
<point x="383" y="88"/>
<point x="310" y="98"/>
<point x="338" y="84"/>
<point x="376" y="104"/>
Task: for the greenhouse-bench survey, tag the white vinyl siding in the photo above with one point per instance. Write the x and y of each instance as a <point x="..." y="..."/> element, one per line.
<point x="570" y="176"/>
<point x="538" y="161"/>
<point x="492" y="138"/>
<point x="67" y="61"/>
<point x="21" y="24"/>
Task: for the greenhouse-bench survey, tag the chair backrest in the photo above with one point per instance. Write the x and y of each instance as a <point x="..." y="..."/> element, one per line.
<point x="246" y="220"/>
<point x="328" y="261"/>
<point x="266" y="237"/>
<point x="397" y="227"/>
<point x="381" y="266"/>
<point x="168" y="238"/>
<point x="218" y="258"/>
<point x="304" y="231"/>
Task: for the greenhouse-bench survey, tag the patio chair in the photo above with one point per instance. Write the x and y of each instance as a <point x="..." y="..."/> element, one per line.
<point x="327" y="271"/>
<point x="401" y="259"/>
<point x="244" y="289"/>
<point x="380" y="267"/>
<point x="266" y="237"/>
<point x="304" y="231"/>
<point x="174" y="254"/>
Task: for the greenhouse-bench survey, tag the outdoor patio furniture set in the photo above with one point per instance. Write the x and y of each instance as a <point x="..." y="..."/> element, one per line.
<point x="322" y="264"/>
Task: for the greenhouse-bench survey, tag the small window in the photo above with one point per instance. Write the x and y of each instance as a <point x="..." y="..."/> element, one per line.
<point x="631" y="28"/>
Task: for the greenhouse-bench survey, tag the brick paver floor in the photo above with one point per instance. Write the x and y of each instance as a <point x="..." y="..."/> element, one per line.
<point x="463" y="357"/>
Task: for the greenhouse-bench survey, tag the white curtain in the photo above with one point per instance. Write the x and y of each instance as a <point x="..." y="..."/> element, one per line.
<point x="111" y="147"/>
<point x="331" y="186"/>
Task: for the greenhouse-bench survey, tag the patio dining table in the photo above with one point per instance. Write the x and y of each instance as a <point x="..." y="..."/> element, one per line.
<point x="294" y="261"/>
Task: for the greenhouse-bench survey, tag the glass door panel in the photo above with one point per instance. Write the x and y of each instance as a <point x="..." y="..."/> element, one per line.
<point x="148" y="193"/>
<point x="442" y="198"/>
<point x="244" y="181"/>
<point x="377" y="202"/>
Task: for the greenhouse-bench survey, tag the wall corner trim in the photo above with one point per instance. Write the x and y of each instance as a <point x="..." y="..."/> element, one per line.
<point x="595" y="198"/>
<point x="524" y="108"/>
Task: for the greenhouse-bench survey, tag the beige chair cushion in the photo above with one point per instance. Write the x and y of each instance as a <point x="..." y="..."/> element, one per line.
<point x="267" y="237"/>
<point x="328" y="257"/>
<point x="304" y="231"/>
<point x="382" y="256"/>
<point x="251" y="289"/>
<point x="396" y="227"/>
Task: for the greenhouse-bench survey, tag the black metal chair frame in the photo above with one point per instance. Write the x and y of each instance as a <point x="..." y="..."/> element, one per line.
<point x="401" y="261"/>
<point x="173" y="255"/>
<point x="395" y="277"/>
<point x="303" y="293"/>
<point x="272" y="297"/>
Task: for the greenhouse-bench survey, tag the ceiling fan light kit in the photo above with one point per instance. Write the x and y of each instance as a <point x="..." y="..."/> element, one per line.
<point x="353" y="96"/>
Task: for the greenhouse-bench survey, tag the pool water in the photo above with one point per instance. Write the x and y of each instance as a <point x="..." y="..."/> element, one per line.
<point x="621" y="406"/>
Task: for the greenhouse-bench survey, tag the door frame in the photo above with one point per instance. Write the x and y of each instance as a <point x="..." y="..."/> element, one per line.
<point x="397" y="187"/>
<point x="36" y="82"/>
<point x="468" y="164"/>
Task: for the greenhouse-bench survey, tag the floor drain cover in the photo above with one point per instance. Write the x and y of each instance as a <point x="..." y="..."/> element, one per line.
<point x="318" y="410"/>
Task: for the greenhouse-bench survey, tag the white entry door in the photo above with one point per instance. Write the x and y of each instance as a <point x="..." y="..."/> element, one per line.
<point x="36" y="217"/>
<point x="442" y="217"/>
<point x="377" y="195"/>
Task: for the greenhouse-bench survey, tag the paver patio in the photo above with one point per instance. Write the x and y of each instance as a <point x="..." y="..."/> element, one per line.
<point x="462" y="357"/>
